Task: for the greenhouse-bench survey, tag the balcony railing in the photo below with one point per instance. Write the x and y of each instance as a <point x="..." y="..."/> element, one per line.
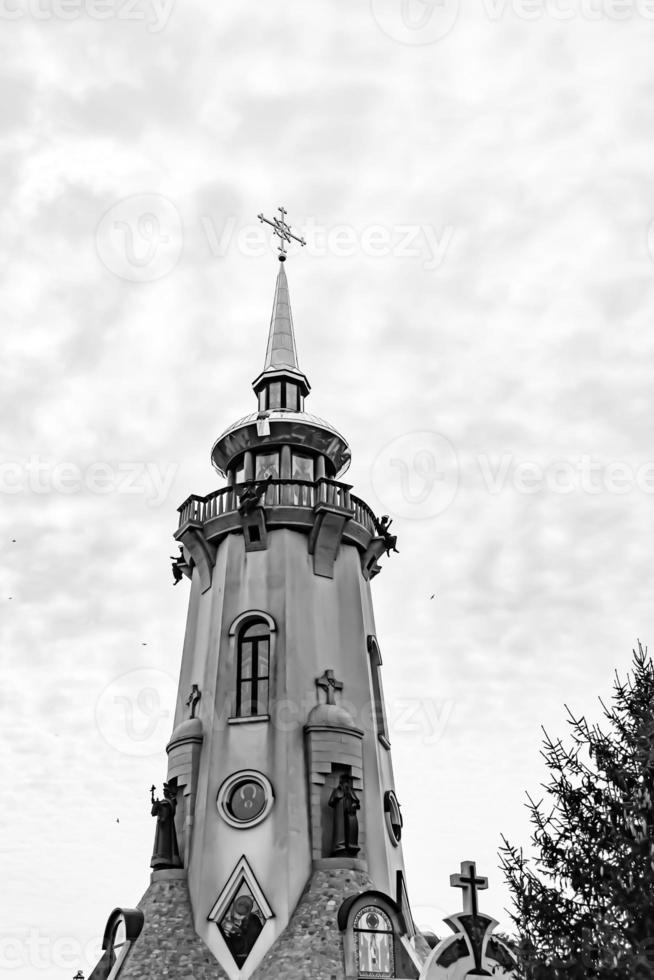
<point x="280" y="493"/>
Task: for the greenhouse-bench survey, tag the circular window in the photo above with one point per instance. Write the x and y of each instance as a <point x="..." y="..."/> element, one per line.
<point x="393" y="816"/>
<point x="245" y="798"/>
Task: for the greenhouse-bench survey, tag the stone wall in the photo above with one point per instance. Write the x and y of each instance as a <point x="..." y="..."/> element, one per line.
<point x="168" y="946"/>
<point x="311" y="946"/>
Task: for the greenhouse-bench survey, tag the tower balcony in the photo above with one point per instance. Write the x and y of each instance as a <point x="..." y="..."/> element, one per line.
<point x="325" y="510"/>
<point x="288" y="503"/>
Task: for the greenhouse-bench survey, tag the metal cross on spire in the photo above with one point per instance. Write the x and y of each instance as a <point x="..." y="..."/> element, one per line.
<point x="282" y="229"/>
<point x="471" y="883"/>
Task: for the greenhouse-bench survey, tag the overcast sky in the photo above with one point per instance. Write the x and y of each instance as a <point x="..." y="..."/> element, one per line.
<point x="475" y="187"/>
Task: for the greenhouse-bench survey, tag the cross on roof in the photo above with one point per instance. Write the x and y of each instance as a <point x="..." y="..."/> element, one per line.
<point x="282" y="229"/>
<point x="471" y="883"/>
<point x="329" y="685"/>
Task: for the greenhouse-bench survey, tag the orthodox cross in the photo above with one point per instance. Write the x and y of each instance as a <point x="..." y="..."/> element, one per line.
<point x="330" y="685"/>
<point x="470" y="882"/>
<point x="192" y="699"/>
<point x="282" y="229"/>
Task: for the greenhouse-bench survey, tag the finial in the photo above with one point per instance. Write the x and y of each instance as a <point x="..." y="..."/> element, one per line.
<point x="282" y="229"/>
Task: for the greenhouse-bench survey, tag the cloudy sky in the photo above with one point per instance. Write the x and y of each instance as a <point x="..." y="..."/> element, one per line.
<point x="473" y="309"/>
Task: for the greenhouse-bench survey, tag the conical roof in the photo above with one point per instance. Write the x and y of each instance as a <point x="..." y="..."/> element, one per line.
<point x="281" y="351"/>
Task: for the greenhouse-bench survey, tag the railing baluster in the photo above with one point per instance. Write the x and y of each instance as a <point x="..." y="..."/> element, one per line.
<point x="298" y="493"/>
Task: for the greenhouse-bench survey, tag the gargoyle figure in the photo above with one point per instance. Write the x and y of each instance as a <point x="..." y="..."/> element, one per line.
<point x="179" y="564"/>
<point x="382" y="525"/>
<point x="250" y="497"/>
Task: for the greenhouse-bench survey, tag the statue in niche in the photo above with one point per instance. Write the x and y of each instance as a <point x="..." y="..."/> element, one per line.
<point x="345" y="804"/>
<point x="166" y="851"/>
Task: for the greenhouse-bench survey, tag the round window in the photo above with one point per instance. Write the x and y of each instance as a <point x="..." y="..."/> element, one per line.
<point x="245" y="798"/>
<point x="393" y="817"/>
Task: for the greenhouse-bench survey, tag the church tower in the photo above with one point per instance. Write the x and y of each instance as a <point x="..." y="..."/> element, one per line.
<point x="278" y="848"/>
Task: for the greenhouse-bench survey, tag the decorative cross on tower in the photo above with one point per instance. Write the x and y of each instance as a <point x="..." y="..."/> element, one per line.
<point x="329" y="685"/>
<point x="282" y="229"/>
<point x="192" y="700"/>
<point x="470" y="882"/>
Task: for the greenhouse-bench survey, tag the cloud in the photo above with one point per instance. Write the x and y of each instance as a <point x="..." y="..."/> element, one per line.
<point x="530" y="340"/>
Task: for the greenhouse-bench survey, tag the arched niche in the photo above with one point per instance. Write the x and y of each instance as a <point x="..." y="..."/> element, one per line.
<point x="375" y="938"/>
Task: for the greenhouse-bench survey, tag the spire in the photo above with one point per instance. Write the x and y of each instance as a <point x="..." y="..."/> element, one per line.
<point x="281" y="384"/>
<point x="281" y="352"/>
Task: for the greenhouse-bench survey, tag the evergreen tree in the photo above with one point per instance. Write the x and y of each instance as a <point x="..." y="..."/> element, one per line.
<point x="584" y="904"/>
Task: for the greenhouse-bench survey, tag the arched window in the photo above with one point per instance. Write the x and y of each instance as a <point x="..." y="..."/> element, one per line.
<point x="376" y="940"/>
<point x="253" y="669"/>
<point x="373" y="943"/>
<point x="122" y="930"/>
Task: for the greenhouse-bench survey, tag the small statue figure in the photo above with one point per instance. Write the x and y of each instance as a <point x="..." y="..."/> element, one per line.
<point x="179" y="564"/>
<point x="345" y="803"/>
<point x="166" y="852"/>
<point x="250" y="497"/>
<point x="193" y="699"/>
<point x="382" y="525"/>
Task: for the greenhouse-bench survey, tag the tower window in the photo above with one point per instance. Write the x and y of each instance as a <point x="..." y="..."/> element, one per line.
<point x="253" y="670"/>
<point x="275" y="395"/>
<point x="292" y="397"/>
<point x="302" y="467"/>
<point x="267" y="464"/>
